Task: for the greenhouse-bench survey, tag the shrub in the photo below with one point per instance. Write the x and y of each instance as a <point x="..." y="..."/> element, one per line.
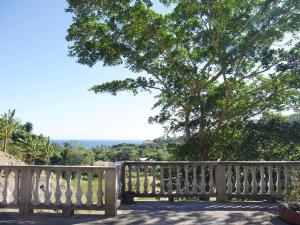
<point x="292" y="195"/>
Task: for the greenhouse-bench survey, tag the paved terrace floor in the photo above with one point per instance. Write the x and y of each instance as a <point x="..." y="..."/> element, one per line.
<point x="164" y="213"/>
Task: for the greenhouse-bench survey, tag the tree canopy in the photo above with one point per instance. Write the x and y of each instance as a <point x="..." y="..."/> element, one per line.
<point x="215" y="64"/>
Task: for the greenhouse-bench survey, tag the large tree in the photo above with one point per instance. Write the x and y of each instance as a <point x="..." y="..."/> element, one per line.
<point x="215" y="63"/>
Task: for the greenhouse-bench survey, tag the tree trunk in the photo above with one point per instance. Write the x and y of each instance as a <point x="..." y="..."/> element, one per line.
<point x="4" y="145"/>
<point x="200" y="150"/>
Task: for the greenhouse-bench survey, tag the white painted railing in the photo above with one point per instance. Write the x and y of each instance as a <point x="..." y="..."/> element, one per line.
<point x="223" y="180"/>
<point x="67" y="188"/>
<point x="70" y="188"/>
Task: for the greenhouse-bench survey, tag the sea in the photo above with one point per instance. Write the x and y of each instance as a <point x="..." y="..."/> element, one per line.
<point x="94" y="143"/>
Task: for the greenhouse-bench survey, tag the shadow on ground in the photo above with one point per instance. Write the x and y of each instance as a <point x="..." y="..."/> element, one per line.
<point x="164" y="213"/>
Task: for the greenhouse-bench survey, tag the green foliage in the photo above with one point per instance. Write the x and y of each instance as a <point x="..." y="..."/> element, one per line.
<point x="292" y="195"/>
<point x="8" y="125"/>
<point x="17" y="139"/>
<point x="48" y="150"/>
<point x="271" y="137"/>
<point x="131" y="152"/>
<point x="73" y="155"/>
<point x="30" y="146"/>
<point x="215" y="64"/>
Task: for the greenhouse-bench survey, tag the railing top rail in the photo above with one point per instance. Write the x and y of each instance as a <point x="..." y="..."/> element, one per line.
<point x="59" y="167"/>
<point x="214" y="162"/>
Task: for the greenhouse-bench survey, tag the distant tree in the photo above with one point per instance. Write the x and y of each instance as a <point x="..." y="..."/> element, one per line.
<point x="28" y="127"/>
<point x="271" y="137"/>
<point x="215" y="64"/>
<point x="76" y="155"/>
<point x="48" y="150"/>
<point x="31" y="147"/>
<point x="7" y="127"/>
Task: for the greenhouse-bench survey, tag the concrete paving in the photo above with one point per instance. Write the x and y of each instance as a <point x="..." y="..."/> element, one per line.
<point x="174" y="213"/>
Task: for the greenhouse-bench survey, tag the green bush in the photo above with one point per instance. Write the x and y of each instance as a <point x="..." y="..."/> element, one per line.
<point x="292" y="195"/>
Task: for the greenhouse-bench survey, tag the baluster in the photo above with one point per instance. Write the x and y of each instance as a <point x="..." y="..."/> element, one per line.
<point x="129" y="179"/>
<point x="79" y="189"/>
<point x="237" y="181"/>
<point x="211" y="180"/>
<point x="195" y="185"/>
<point x="254" y="182"/>
<point x="47" y="193"/>
<point x="36" y="200"/>
<point x="57" y="189"/>
<point x="162" y="184"/>
<point x="5" y="187"/>
<point x="187" y="183"/>
<point x="153" y="179"/>
<point x="138" y="184"/>
<point x="120" y="184"/>
<point x="69" y="188"/>
<point x="270" y="179"/>
<point x="203" y="183"/>
<point x="178" y="184"/>
<point x="229" y="179"/>
<point x="146" y="179"/>
<point x="246" y="183"/>
<point x="278" y="180"/>
<point x="271" y="185"/>
<point x="262" y="180"/>
<point x="169" y="185"/>
<point x="89" y="192"/>
<point x="16" y="188"/>
<point x="286" y="177"/>
<point x="99" y="191"/>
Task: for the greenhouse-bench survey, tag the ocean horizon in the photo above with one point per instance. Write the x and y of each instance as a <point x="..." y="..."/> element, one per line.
<point x="94" y="143"/>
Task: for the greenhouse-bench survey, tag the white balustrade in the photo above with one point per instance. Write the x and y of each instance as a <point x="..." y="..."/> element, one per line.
<point x="278" y="180"/>
<point x="262" y="180"/>
<point x="195" y="183"/>
<point x="130" y="178"/>
<point x="153" y="179"/>
<point x="254" y="182"/>
<point x="237" y="180"/>
<point x="169" y="184"/>
<point x="178" y="182"/>
<point x="16" y="188"/>
<point x="69" y="189"/>
<point x="47" y="188"/>
<point x="5" y="186"/>
<point x="186" y="177"/>
<point x="58" y="192"/>
<point x="162" y="183"/>
<point x="89" y="192"/>
<point x="79" y="189"/>
<point x="138" y="184"/>
<point x="36" y="200"/>
<point x="211" y="179"/>
<point x="203" y="183"/>
<point x="268" y="179"/>
<point x="30" y="181"/>
<point x="229" y="179"/>
<point x="99" y="190"/>
<point x="286" y="176"/>
<point x="271" y="185"/>
<point x="246" y="183"/>
<point x="145" y="179"/>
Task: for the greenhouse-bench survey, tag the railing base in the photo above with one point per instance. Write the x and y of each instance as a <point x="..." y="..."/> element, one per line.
<point x="68" y="212"/>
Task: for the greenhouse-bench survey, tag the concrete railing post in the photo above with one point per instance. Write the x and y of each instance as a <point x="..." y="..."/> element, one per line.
<point x="111" y="192"/>
<point x="220" y="182"/>
<point x="25" y="191"/>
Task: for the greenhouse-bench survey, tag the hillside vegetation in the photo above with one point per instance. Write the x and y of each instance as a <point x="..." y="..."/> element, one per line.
<point x="271" y="137"/>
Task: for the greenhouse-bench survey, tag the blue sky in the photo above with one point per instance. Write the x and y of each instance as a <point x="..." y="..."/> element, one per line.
<point x="49" y="89"/>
